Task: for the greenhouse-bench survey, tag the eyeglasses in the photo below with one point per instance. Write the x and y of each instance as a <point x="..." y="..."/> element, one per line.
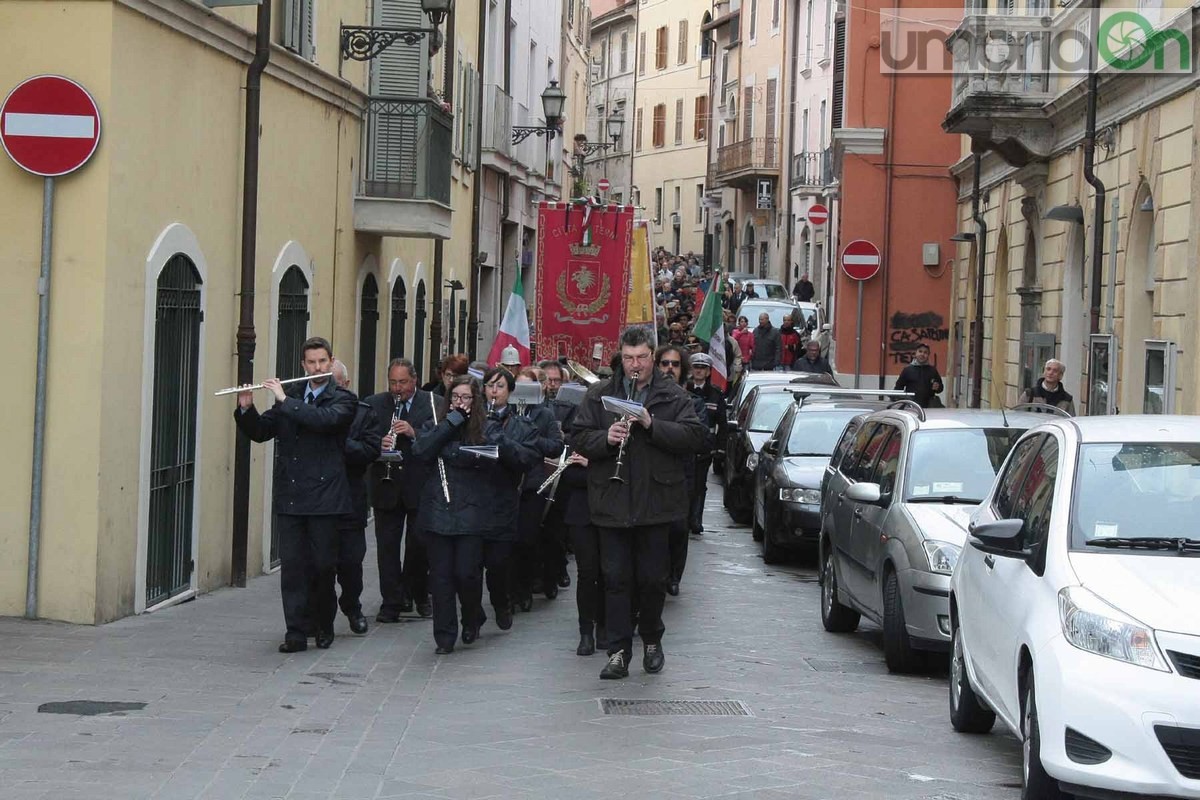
<point x="666" y="362"/>
<point x="462" y="398"/>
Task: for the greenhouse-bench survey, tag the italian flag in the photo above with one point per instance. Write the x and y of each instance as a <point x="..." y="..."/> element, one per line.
<point x="710" y="327"/>
<point x="514" y="328"/>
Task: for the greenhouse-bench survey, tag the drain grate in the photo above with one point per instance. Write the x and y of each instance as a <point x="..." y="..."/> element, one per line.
<point x="687" y="708"/>
<point x="858" y="667"/>
<point x="88" y="708"/>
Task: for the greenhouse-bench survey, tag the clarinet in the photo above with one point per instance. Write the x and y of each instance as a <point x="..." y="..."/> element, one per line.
<point x="441" y="464"/>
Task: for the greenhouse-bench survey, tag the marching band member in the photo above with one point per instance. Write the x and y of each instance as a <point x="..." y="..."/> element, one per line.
<point x="535" y="554"/>
<point x="308" y="422"/>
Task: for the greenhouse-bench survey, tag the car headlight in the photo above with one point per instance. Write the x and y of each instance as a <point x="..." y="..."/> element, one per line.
<point x="752" y="461"/>
<point x="809" y="496"/>
<point x="1093" y="625"/>
<point x="942" y="555"/>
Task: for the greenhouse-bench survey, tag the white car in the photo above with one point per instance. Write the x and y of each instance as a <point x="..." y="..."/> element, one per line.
<point x="1075" y="609"/>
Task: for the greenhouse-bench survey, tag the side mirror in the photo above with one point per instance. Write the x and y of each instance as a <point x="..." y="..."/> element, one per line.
<point x="864" y="493"/>
<point x="1001" y="534"/>
<point x="771" y="447"/>
<point x="733" y="424"/>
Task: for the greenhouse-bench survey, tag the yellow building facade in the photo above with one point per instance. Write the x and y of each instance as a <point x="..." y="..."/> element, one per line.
<point x="1123" y="319"/>
<point x="138" y="475"/>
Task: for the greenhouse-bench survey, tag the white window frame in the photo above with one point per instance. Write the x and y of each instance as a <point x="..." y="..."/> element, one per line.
<point x="1170" y="353"/>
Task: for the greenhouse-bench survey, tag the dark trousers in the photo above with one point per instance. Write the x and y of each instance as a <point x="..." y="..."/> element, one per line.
<point x="352" y="549"/>
<point x="589" y="584"/>
<point x="400" y="577"/>
<point x="497" y="560"/>
<point x="455" y="576"/>
<point x="699" y="493"/>
<point x="636" y="563"/>
<point x="308" y="552"/>
<point x="677" y="542"/>
<point x="526" y="555"/>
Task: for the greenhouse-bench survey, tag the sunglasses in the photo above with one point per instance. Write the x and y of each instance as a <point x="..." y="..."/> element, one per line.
<point x="669" y="363"/>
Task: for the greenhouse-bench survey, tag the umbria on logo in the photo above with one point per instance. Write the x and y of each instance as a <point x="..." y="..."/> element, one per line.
<point x="1038" y="48"/>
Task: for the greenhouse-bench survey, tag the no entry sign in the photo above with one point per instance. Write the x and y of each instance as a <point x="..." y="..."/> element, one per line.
<point x="818" y="214"/>
<point x="860" y="260"/>
<point x="49" y="125"/>
<point x="603" y="184"/>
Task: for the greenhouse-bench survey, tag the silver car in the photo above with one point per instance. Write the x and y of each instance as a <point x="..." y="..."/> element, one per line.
<point x="895" y="505"/>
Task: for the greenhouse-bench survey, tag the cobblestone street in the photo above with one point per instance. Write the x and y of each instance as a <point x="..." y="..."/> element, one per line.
<point x="515" y="715"/>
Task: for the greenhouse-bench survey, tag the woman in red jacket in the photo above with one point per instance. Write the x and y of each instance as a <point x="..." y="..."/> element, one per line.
<point x="745" y="340"/>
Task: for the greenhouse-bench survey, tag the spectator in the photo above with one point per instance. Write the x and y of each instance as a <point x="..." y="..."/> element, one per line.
<point x="1049" y="389"/>
<point x="789" y="343"/>
<point x="922" y="379"/>
<point x="804" y="289"/>
<point x="766" y="355"/>
<point x="812" y="361"/>
<point x="744" y="338"/>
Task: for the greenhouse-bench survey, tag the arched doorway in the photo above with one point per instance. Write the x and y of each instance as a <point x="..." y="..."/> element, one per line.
<point x="177" y="322"/>
<point x="1137" y="371"/>
<point x="399" y="320"/>
<point x="291" y="329"/>
<point x="1000" y="310"/>
<point x="418" y="357"/>
<point x="368" y="324"/>
<point x="730" y="247"/>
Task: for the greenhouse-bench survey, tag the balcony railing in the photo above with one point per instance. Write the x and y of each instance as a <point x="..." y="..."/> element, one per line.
<point x="1019" y="43"/>
<point x="749" y="156"/>
<point x="497" y="121"/>
<point x="407" y="150"/>
<point x="812" y="169"/>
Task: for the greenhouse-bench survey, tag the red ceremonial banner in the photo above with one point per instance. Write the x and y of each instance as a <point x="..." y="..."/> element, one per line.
<point x="583" y="280"/>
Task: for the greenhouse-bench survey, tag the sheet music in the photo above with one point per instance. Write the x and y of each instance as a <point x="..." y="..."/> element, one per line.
<point x="482" y="450"/>
<point x="621" y="407"/>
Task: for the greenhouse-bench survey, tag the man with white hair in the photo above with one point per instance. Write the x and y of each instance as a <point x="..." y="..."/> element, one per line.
<point x="1049" y="389"/>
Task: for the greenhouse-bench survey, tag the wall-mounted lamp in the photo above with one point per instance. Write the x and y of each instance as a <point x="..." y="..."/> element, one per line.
<point x="1065" y="213"/>
<point x="1147" y="204"/>
<point x="963" y="236"/>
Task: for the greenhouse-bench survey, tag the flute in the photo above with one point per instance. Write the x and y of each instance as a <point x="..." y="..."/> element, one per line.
<point x="236" y="389"/>
<point x="441" y="464"/>
<point x="559" y="469"/>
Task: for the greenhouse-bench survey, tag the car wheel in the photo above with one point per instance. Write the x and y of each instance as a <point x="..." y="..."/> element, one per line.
<point x="967" y="713"/>
<point x="898" y="651"/>
<point x="756" y="531"/>
<point x="1036" y="784"/>
<point x="836" y="617"/>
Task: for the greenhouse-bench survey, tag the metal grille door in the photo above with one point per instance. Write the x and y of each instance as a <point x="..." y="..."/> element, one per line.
<point x="418" y="357"/>
<point x="399" y="319"/>
<point x="173" y="431"/>
<point x="368" y="323"/>
<point x="290" y="332"/>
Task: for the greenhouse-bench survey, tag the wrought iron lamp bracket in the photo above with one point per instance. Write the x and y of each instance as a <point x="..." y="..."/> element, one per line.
<point x="363" y="43"/>
<point x="520" y="132"/>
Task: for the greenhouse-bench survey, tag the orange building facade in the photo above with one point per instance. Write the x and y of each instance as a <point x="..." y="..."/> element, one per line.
<point x="897" y="192"/>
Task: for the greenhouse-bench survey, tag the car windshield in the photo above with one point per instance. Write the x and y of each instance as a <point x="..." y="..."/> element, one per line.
<point x="768" y="410"/>
<point x="757" y="379"/>
<point x="807" y="316"/>
<point x="956" y="465"/>
<point x="1135" y="491"/>
<point x="750" y="310"/>
<point x="771" y="291"/>
<point x="816" y="434"/>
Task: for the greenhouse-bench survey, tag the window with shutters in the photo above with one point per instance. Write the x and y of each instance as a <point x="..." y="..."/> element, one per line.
<point x="660" y="125"/>
<point x="683" y="41"/>
<point x="769" y="120"/>
<point x="700" y="124"/>
<point x="753" y="20"/>
<point x="658" y="205"/>
<point x="637" y="129"/>
<point x="299" y="27"/>
<point x="642" y="53"/>
<point x="775" y="15"/>
<point x="839" y="73"/>
<point x="699" y="203"/>
<point x="661" y="41"/>
<point x="624" y="52"/>
<point x="747" y="112"/>
<point x="679" y="121"/>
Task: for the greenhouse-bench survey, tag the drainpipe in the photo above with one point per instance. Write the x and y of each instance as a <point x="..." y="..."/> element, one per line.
<point x="1089" y="174"/>
<point x="791" y="134"/>
<point x="980" y="258"/>
<point x="246" y="339"/>
<point x="890" y="149"/>
<point x="477" y="197"/>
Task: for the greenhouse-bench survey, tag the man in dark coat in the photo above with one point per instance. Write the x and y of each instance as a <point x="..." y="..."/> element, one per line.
<point x="767" y="347"/>
<point x="804" y="289"/>
<point x="922" y="379"/>
<point x="362" y="449"/>
<point x="396" y="483"/>
<point x="715" y="406"/>
<point x="634" y="513"/>
<point x="308" y="422"/>
<point x="672" y="362"/>
<point x="1048" y="390"/>
<point x="812" y="360"/>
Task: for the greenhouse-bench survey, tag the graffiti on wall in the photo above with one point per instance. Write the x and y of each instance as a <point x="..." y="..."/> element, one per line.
<point x="909" y="330"/>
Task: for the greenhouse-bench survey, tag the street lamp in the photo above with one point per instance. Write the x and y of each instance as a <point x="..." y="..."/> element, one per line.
<point x="364" y="42"/>
<point x="553" y="99"/>
<point x="616" y="124"/>
<point x="453" y="286"/>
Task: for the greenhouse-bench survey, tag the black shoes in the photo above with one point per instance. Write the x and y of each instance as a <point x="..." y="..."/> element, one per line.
<point x="293" y="646"/>
<point x="470" y="633"/>
<point x="551" y="590"/>
<point x="653" y="659"/>
<point x="673" y="588"/>
<point x="387" y="617"/>
<point x="587" y="645"/>
<point x="324" y="639"/>
<point x="425" y="609"/>
<point x="525" y="603"/>
<point x="504" y="618"/>
<point x="564" y="580"/>
<point x="616" y="668"/>
<point x="444" y="649"/>
<point x="406" y="604"/>
<point x="358" y="623"/>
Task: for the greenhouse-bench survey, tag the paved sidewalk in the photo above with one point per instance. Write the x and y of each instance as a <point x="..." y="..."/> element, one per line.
<point x="515" y="715"/>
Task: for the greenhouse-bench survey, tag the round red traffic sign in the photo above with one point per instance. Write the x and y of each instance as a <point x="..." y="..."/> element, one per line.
<point x="49" y="125"/>
<point x="818" y="214"/>
<point x="861" y="260"/>
<point x="603" y="184"/>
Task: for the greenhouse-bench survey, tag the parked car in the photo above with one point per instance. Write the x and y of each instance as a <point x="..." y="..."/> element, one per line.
<point x="791" y="465"/>
<point x="765" y="288"/>
<point x="774" y="309"/>
<point x="740" y="389"/>
<point x="1074" y="609"/>
<point x="755" y="422"/>
<point x="894" y="509"/>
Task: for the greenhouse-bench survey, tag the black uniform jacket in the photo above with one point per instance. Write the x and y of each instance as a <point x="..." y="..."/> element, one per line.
<point x="654" y="491"/>
<point x="407" y="477"/>
<point x="362" y="448"/>
<point x="547" y="441"/>
<point x="310" y="467"/>
<point x="715" y="414"/>
<point x="484" y="493"/>
<point x="919" y="379"/>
